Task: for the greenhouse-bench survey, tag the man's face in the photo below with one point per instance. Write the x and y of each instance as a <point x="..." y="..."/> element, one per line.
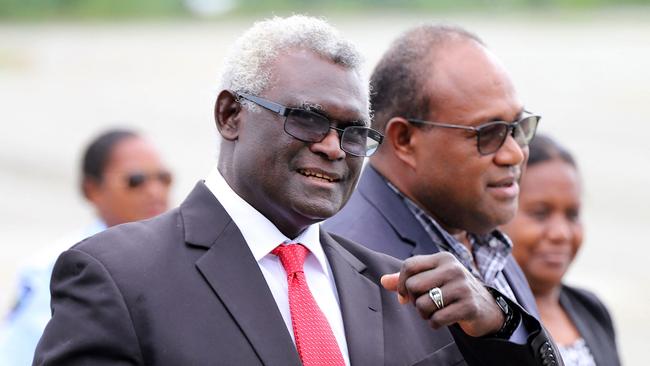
<point x="134" y="185"/>
<point x="275" y="172"/>
<point x="463" y="189"/>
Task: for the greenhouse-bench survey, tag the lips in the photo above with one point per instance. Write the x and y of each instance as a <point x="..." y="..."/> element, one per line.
<point x="559" y="258"/>
<point x="504" y="182"/>
<point x="505" y="188"/>
<point x="320" y="174"/>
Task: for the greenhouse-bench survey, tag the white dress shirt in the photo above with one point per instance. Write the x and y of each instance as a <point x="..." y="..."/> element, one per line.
<point x="262" y="237"/>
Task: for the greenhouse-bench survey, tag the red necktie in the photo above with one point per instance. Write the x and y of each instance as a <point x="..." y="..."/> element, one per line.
<point x="315" y="340"/>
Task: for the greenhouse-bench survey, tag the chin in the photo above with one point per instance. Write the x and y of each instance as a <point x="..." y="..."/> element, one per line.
<point x="318" y="211"/>
<point x="505" y="215"/>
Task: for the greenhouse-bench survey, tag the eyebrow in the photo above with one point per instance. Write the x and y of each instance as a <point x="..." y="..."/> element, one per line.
<point x="318" y="109"/>
<point x="518" y="117"/>
<point x="521" y="113"/>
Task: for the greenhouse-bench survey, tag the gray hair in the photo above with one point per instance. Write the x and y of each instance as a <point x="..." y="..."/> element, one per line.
<point x="398" y="81"/>
<point x="245" y="68"/>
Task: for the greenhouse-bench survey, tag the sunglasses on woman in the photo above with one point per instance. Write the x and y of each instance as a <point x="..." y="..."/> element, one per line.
<point x="136" y="180"/>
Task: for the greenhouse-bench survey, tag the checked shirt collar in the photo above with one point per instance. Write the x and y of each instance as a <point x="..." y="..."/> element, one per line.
<point x="490" y="251"/>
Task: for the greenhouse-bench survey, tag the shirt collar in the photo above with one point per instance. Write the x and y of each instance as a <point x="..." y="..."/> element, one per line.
<point x="261" y="235"/>
<point x="488" y="239"/>
<point x="489" y="252"/>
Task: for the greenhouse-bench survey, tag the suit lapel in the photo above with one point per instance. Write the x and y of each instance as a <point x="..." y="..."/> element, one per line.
<point x="373" y="187"/>
<point x="231" y="271"/>
<point x="519" y="286"/>
<point x="597" y="343"/>
<point x="360" y="303"/>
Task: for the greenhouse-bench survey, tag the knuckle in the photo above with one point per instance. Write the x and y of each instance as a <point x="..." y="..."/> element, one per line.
<point x="453" y="271"/>
<point x="468" y="311"/>
<point x="463" y="288"/>
<point x="424" y="312"/>
<point x="409" y="266"/>
<point x="446" y="257"/>
<point x="410" y="284"/>
<point x="422" y="302"/>
<point x="456" y="267"/>
<point x="453" y="274"/>
<point x="434" y="324"/>
<point x="472" y="310"/>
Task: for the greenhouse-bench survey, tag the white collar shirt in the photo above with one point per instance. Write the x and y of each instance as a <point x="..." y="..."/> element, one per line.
<point x="262" y="236"/>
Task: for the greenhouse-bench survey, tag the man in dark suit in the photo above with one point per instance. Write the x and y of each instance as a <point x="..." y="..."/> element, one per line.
<point x="447" y="172"/>
<point x="241" y="274"/>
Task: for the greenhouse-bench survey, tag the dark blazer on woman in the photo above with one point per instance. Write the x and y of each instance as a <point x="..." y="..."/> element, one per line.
<point x="593" y="322"/>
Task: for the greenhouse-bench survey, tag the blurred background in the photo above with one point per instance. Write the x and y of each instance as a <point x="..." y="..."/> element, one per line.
<point x="71" y="68"/>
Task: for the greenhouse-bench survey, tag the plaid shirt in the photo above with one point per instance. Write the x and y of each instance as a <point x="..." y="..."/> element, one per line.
<point x="490" y="251"/>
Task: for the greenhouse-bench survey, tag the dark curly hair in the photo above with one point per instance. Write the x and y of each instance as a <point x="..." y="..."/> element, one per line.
<point x="543" y="148"/>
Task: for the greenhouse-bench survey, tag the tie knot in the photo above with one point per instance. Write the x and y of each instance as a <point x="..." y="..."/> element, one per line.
<point x="292" y="257"/>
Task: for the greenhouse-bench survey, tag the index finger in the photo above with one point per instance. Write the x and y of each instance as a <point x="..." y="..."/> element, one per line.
<point x="413" y="266"/>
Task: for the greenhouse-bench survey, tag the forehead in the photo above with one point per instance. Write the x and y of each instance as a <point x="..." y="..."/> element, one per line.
<point x="554" y="175"/>
<point x="469" y="85"/>
<point x="301" y="76"/>
<point x="133" y="153"/>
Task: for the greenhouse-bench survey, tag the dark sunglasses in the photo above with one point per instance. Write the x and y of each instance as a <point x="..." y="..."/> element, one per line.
<point x="308" y="126"/>
<point x="138" y="179"/>
<point x="491" y="136"/>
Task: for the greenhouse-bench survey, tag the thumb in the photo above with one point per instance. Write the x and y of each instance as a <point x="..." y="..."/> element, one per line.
<point x="390" y="281"/>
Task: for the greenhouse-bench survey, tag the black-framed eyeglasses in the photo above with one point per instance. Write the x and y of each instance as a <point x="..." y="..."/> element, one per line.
<point x="309" y="126"/>
<point x="491" y="136"/>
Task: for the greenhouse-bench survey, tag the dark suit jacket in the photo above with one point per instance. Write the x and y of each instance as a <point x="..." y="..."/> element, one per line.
<point x="593" y="322"/>
<point x="184" y="289"/>
<point x="378" y="218"/>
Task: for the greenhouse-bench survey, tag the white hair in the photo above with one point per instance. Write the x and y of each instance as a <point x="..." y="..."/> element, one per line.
<point x="245" y="67"/>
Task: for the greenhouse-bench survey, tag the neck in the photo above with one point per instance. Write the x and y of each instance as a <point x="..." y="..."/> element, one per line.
<point x="546" y="295"/>
<point x="461" y="236"/>
<point x="289" y="224"/>
<point x="398" y="177"/>
<point x="291" y="231"/>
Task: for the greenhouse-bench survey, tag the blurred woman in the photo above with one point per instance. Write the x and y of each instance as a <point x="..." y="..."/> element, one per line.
<point x="124" y="179"/>
<point x="547" y="233"/>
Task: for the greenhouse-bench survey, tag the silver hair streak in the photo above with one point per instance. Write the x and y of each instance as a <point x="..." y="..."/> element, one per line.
<point x="245" y="67"/>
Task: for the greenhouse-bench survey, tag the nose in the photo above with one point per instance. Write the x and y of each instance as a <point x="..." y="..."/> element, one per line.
<point x="329" y="147"/>
<point x="510" y="153"/>
<point x="155" y="189"/>
<point x="559" y="229"/>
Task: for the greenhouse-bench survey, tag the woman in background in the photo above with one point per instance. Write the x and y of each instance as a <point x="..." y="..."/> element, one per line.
<point x="124" y="179"/>
<point x="547" y="233"/>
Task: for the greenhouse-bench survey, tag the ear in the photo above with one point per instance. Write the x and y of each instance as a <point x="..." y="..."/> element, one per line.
<point x="401" y="136"/>
<point x="227" y="115"/>
<point x="90" y="188"/>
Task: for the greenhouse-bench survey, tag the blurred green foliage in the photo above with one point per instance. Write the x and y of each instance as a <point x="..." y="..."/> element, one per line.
<point x="79" y="9"/>
<point x="89" y="8"/>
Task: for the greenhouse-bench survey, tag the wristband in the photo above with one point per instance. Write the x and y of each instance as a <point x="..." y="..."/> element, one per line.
<point x="512" y="317"/>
